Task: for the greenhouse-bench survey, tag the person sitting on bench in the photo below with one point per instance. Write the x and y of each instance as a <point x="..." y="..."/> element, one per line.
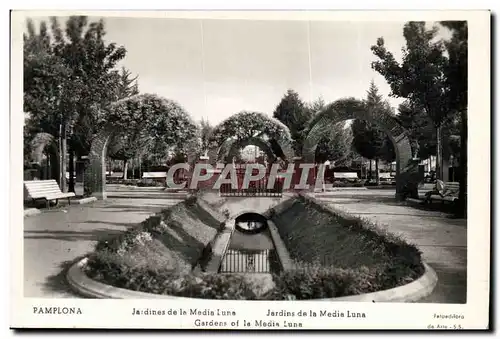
<point x="440" y="189"/>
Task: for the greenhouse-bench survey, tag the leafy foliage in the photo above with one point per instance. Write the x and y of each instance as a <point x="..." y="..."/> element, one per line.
<point x="150" y="123"/>
<point x="420" y="127"/>
<point x="293" y="113"/>
<point x="335" y="145"/>
<point x="456" y="74"/>
<point x="205" y="132"/>
<point x="69" y="77"/>
<point x="420" y="77"/>
<point x="368" y="140"/>
<point x="245" y="124"/>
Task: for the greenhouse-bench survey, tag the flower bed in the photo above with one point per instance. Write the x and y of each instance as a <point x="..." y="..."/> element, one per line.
<point x="334" y="257"/>
<point x="338" y="255"/>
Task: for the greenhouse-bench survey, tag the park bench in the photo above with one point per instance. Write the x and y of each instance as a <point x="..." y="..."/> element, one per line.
<point x="444" y="192"/>
<point x="149" y="178"/>
<point x="386" y="178"/>
<point x="46" y="189"/>
<point x="346" y="176"/>
<point x="154" y="175"/>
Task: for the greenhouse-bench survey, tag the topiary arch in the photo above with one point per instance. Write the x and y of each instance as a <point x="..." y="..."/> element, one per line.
<point x="344" y="109"/>
<point x="248" y="128"/>
<point x="150" y="112"/>
<point x="235" y="146"/>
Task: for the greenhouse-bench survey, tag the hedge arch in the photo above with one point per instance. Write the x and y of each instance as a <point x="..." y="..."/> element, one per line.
<point x="245" y="126"/>
<point x="38" y="145"/>
<point x="142" y="104"/>
<point x="344" y="109"/>
<point x="235" y="146"/>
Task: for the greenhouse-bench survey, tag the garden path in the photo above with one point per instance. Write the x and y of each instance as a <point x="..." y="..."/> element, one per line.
<point x="56" y="238"/>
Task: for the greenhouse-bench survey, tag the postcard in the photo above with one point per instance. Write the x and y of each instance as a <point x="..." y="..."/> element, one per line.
<point x="249" y="170"/>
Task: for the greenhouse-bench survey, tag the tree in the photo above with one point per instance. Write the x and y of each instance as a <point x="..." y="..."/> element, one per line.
<point x="127" y="86"/>
<point x="369" y="140"/>
<point x="335" y="145"/>
<point x="149" y="123"/>
<point x="205" y="131"/>
<point x="421" y="129"/>
<point x="292" y="112"/>
<point x="69" y="78"/>
<point x="245" y="125"/>
<point x="420" y="77"/>
<point x="456" y="72"/>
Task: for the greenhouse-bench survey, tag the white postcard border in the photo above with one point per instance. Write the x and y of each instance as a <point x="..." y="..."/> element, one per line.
<point x="115" y="313"/>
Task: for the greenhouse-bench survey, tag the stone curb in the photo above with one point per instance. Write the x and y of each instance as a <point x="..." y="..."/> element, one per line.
<point x="31" y="211"/>
<point x="90" y="288"/>
<point x="211" y="210"/>
<point x="285" y="204"/>
<point x="219" y="247"/>
<point x="281" y="250"/>
<point x="220" y="242"/>
<point x="86" y="200"/>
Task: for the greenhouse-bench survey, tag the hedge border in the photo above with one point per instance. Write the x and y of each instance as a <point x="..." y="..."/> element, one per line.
<point x="90" y="288"/>
<point x="414" y="291"/>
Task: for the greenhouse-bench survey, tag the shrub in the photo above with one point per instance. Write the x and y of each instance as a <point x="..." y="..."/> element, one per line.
<point x="112" y="269"/>
<point x="347" y="242"/>
<point x="315" y="281"/>
<point x="213" y="286"/>
<point x="122" y="242"/>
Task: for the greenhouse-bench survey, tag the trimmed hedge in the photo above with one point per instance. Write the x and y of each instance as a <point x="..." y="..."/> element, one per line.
<point x="111" y="268"/>
<point x="334" y="248"/>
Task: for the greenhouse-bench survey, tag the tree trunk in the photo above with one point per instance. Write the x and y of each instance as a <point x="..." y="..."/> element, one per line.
<point x="370" y="176"/>
<point x="133" y="168"/>
<point x="140" y="168"/>
<point x="64" y="148"/>
<point x="71" y="186"/>
<point x="462" y="197"/>
<point x="376" y="172"/>
<point x="125" y="169"/>
<point x="439" y="153"/>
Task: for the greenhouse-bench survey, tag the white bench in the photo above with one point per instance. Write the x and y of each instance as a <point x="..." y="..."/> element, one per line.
<point x="46" y="189"/>
<point x="345" y="175"/>
<point x="386" y="178"/>
<point x="154" y="175"/>
<point x="449" y="193"/>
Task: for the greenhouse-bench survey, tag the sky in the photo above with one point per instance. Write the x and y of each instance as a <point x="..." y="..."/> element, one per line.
<point x="216" y="68"/>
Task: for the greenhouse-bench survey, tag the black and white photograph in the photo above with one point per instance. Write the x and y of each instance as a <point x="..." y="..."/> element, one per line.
<point x="284" y="172"/>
